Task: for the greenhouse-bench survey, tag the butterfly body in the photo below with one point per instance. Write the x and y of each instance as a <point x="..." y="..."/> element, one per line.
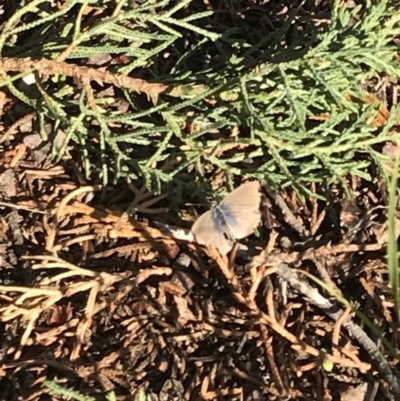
<point x="234" y="218"/>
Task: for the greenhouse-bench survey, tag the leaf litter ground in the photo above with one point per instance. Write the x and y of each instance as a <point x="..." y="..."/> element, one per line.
<point x="100" y="300"/>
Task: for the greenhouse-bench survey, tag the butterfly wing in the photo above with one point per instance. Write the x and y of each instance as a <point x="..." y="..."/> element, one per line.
<point x="241" y="209"/>
<point x="209" y="231"/>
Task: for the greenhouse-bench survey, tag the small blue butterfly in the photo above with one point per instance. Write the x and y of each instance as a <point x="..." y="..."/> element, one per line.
<point x="234" y="218"/>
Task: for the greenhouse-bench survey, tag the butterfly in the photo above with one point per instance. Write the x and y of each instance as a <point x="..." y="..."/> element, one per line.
<point x="234" y="218"/>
